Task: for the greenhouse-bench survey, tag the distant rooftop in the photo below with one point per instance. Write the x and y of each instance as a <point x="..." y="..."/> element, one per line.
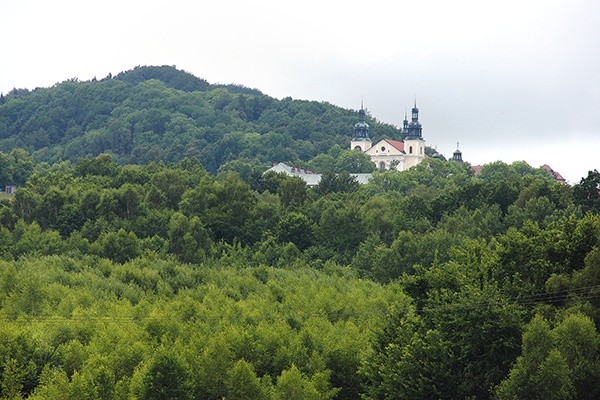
<point x="477" y="170"/>
<point x="557" y="176"/>
<point x="310" y="177"/>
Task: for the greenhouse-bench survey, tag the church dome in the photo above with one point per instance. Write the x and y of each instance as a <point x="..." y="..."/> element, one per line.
<point x="361" y="128"/>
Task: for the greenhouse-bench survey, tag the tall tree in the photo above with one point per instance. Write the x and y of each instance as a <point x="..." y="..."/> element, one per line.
<point x="587" y="192"/>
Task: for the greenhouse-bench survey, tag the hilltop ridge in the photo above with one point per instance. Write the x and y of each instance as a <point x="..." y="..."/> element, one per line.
<point x="153" y="113"/>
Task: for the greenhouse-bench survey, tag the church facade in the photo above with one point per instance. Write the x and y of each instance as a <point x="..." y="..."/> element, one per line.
<point x="391" y="154"/>
<point x="387" y="154"/>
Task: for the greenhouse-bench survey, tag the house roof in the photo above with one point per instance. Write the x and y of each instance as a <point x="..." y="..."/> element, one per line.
<point x="310" y="177"/>
<point x="477" y="170"/>
<point x="292" y="171"/>
<point x="557" y="176"/>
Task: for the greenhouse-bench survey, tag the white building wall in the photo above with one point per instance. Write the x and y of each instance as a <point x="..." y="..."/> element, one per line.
<point x="363" y="145"/>
<point x="384" y="152"/>
<point x="415" y="152"/>
<point x="398" y="160"/>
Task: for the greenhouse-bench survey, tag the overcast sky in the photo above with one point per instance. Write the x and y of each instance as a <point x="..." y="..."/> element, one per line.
<point x="510" y="80"/>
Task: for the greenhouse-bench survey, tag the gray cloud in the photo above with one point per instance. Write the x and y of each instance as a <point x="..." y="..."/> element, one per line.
<point x="510" y="80"/>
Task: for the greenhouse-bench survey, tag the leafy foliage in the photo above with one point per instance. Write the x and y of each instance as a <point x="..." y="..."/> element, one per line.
<point x="159" y="113"/>
<point x="162" y="279"/>
<point x="153" y="328"/>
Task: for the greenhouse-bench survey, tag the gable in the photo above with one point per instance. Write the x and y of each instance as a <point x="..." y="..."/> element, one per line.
<point x="386" y="147"/>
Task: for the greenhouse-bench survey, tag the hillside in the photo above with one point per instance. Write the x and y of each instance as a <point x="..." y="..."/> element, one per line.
<point x="162" y="280"/>
<point x="161" y="113"/>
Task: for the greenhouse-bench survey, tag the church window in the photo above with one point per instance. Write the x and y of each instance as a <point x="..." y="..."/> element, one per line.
<point x="382" y="166"/>
<point x="382" y="148"/>
<point x="357" y="148"/>
<point x="410" y="150"/>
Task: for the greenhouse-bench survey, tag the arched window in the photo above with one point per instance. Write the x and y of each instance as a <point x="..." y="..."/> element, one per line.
<point x="357" y="148"/>
<point x="410" y="150"/>
<point x="382" y="166"/>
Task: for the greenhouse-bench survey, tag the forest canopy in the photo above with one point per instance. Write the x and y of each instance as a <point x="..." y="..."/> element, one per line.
<point x="166" y="281"/>
<point x="165" y="114"/>
<point x="145" y="255"/>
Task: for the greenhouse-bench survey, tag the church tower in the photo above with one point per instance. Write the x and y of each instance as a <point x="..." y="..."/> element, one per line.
<point x="414" y="130"/>
<point x="457" y="156"/>
<point x="414" y="145"/>
<point x="361" y="140"/>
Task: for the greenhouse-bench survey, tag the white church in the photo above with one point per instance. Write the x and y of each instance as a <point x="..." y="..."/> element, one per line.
<point x="387" y="154"/>
<point x="391" y="154"/>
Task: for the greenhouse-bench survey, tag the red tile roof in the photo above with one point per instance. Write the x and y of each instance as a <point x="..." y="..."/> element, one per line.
<point x="396" y="144"/>
<point x="477" y="170"/>
<point x="557" y="176"/>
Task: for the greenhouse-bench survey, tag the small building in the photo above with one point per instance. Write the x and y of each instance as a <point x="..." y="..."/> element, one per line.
<point x="10" y="189"/>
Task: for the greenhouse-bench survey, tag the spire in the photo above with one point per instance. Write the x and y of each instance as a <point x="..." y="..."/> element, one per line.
<point x="405" y="122"/>
<point x="415" y="112"/>
<point x="361" y="113"/>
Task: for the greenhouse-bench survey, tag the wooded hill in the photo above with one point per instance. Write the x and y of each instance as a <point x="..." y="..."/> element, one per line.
<point x="164" y="280"/>
<point x="164" y="114"/>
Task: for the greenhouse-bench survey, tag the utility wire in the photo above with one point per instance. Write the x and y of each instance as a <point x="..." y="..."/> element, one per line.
<point x="591" y="292"/>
